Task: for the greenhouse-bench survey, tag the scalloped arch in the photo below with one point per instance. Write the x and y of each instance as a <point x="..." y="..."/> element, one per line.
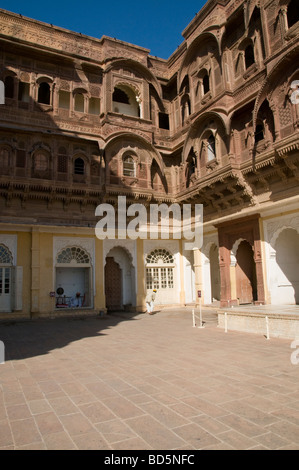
<point x="222" y="117"/>
<point x="270" y="81"/>
<point x="5" y="255"/>
<point x="113" y="138"/>
<point x="278" y="232"/>
<point x="191" y="50"/>
<point x="147" y="74"/>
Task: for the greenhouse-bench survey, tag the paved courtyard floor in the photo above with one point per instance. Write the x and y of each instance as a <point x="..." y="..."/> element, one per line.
<point x="125" y="382"/>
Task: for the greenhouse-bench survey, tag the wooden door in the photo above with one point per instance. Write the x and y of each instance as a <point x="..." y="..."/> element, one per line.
<point x="245" y="274"/>
<point x="113" y="285"/>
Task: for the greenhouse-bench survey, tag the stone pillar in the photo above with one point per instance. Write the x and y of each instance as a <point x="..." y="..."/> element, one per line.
<point x="141" y="287"/>
<point x="198" y="274"/>
<point x="182" y="275"/>
<point x="224" y="265"/>
<point x="259" y="269"/>
<point x="99" y="294"/>
<point x="35" y="270"/>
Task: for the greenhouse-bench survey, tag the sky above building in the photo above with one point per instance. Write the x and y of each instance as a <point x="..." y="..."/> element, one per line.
<point x="154" y="24"/>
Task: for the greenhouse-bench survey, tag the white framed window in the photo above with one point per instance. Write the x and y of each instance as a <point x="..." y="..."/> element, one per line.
<point x="129" y="167"/>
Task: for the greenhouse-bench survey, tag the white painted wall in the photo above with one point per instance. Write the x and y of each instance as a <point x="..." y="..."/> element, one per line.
<point x="282" y="258"/>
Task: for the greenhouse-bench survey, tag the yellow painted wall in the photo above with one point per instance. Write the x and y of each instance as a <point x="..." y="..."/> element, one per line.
<point x="24" y="260"/>
<point x="99" y="299"/>
<point x="46" y="285"/>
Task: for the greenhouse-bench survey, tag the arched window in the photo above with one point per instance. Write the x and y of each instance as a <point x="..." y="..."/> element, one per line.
<point x="191" y="167"/>
<point x="120" y="96"/>
<point x="79" y="166"/>
<point x="186" y="108"/>
<point x="293" y="13"/>
<point x="73" y="254"/>
<point x="126" y="101"/>
<point x="9" y="86"/>
<point x="79" y="102"/>
<point x="206" y="84"/>
<point x="40" y="162"/>
<point x="211" y="147"/>
<point x="44" y="93"/>
<point x="129" y="166"/>
<point x="5" y="255"/>
<point x="5" y="276"/>
<point x="4" y="158"/>
<point x="159" y="270"/>
<point x="249" y="56"/>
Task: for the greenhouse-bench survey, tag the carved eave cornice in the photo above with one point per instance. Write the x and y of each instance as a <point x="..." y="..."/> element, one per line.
<point x="136" y="195"/>
<point x="288" y="145"/>
<point x="27" y="191"/>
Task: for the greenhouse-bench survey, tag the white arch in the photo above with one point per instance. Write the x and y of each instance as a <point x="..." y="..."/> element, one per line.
<point x="278" y="232"/>
<point x="124" y="259"/>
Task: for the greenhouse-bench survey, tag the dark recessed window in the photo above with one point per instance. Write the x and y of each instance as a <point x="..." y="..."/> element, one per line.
<point x="259" y="133"/>
<point x="79" y="166"/>
<point x="249" y="56"/>
<point x="293" y="13"/>
<point x="21" y="158"/>
<point x="9" y="87"/>
<point x="206" y="84"/>
<point x="163" y="121"/>
<point x="44" y="93"/>
<point x="119" y="96"/>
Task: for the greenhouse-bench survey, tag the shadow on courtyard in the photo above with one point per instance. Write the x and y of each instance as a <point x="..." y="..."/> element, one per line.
<point x="27" y="339"/>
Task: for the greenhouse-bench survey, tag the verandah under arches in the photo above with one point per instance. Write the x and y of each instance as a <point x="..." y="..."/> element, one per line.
<point x="73" y="273"/>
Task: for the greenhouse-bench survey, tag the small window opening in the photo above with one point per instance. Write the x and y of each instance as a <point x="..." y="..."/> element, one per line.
<point x="206" y="84"/>
<point x="40" y="162"/>
<point x="44" y="93"/>
<point x="293" y="13"/>
<point x="79" y="166"/>
<point x="211" y="148"/>
<point x="9" y="87"/>
<point x="119" y="96"/>
<point x="259" y="133"/>
<point x="62" y="163"/>
<point x="79" y="102"/>
<point x="164" y="121"/>
<point x="249" y="56"/>
<point x="23" y="94"/>
<point x="129" y="167"/>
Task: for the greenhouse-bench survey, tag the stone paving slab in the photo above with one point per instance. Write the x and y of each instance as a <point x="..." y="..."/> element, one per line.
<point x="125" y="382"/>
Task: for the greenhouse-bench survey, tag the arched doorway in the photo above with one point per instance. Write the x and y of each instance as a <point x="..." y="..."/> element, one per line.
<point x="120" y="288"/>
<point x="160" y="275"/>
<point x="287" y="272"/>
<point x="5" y="279"/>
<point x="246" y="283"/>
<point x="73" y="278"/>
<point x="113" y="285"/>
<point x="215" y="273"/>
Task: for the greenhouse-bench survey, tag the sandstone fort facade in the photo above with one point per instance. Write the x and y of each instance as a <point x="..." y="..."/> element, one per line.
<point x="86" y="120"/>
